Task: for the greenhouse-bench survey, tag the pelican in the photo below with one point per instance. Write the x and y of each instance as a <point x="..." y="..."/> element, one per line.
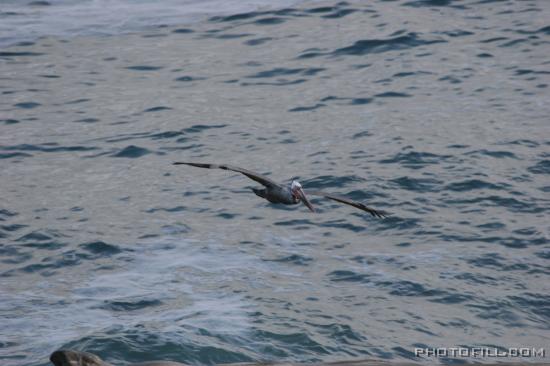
<point x="288" y="195"/>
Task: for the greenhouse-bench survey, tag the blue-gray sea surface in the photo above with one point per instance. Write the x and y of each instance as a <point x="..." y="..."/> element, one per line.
<point x="434" y="110"/>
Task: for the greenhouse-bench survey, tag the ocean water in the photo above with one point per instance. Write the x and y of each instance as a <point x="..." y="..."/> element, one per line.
<point x="26" y="20"/>
<point x="433" y="110"/>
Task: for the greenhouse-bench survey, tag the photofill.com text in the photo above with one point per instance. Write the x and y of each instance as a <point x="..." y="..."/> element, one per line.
<point x="480" y="352"/>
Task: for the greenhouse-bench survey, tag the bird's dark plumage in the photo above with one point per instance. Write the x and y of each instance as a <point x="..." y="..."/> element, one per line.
<point x="277" y="193"/>
<point x="263" y="180"/>
<point x="359" y="205"/>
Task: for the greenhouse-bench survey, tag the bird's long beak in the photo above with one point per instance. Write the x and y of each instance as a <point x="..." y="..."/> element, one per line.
<point x="304" y="199"/>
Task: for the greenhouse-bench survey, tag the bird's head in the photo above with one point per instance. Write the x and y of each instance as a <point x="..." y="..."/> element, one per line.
<point x="299" y="194"/>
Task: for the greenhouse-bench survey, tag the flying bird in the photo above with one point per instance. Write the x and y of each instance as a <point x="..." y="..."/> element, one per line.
<point x="288" y="195"/>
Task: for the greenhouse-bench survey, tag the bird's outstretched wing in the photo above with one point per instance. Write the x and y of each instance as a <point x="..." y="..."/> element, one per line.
<point x="373" y="212"/>
<point x="252" y="175"/>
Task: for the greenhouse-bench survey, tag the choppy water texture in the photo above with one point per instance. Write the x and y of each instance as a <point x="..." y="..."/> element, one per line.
<point x="436" y="111"/>
<point x="25" y="20"/>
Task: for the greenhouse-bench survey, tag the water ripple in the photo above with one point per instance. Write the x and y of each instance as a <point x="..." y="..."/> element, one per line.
<point x="366" y="46"/>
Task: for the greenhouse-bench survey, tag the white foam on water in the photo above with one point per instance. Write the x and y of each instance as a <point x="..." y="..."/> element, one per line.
<point x="187" y="282"/>
<point x="188" y="277"/>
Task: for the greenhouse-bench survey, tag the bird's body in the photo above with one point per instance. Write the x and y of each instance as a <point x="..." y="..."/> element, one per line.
<point x="279" y="193"/>
<point x="276" y="195"/>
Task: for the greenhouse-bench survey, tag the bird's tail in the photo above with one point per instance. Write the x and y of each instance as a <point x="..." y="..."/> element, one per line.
<point x="259" y="192"/>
